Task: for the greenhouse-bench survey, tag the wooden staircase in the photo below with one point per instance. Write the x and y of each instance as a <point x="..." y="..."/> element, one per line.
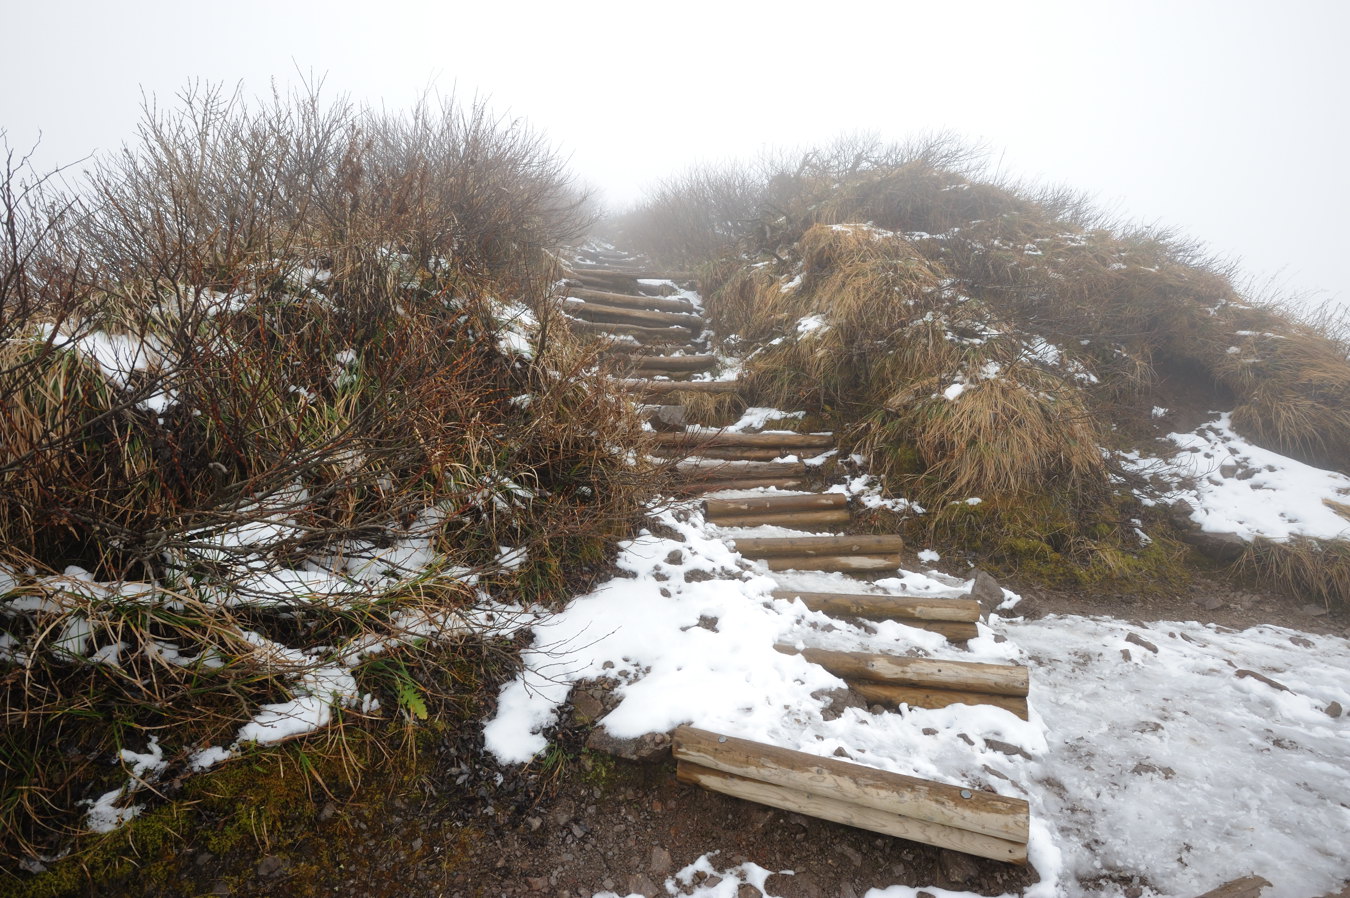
<point x="659" y="331"/>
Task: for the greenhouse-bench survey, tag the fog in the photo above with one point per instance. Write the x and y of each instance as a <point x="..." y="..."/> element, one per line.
<point x="1229" y="121"/>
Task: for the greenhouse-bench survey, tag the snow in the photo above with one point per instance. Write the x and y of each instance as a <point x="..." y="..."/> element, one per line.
<point x="1173" y="766"/>
<point x="1235" y="486"/>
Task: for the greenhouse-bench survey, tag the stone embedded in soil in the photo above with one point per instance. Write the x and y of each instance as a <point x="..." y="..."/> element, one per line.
<point x="987" y="592"/>
<point x="958" y="869"/>
<point x="1334" y="709"/>
<point x="645" y="748"/>
<point x="1243" y="674"/>
<point x="1136" y="639"/>
<point x="660" y="862"/>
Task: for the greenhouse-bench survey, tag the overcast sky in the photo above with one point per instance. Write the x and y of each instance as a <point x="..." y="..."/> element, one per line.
<point x="1229" y="120"/>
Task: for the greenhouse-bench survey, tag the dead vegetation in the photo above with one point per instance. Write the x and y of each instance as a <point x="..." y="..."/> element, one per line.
<point x="278" y="385"/>
<point x="989" y="340"/>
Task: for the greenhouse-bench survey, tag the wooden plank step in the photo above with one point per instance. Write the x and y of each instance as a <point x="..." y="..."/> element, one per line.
<point x="662" y="387"/>
<point x="649" y="336"/>
<point x="978" y="823"/>
<point x="801" y="520"/>
<point x="718" y="469"/>
<point x="931" y="697"/>
<point x="674" y="364"/>
<point x="650" y="274"/>
<point x="744" y="453"/>
<point x="632" y="300"/>
<point x="722" y="439"/>
<point x="592" y="312"/>
<point x="693" y="488"/>
<point x="811" y="546"/>
<point x="809" y="502"/>
<point x="969" y="676"/>
<point x="883" y="607"/>
<point x="842" y="564"/>
<point x="954" y="619"/>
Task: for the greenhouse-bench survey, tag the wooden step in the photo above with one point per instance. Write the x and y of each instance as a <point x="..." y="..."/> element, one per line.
<point x="743" y="453"/>
<point x="633" y="274"/>
<point x="799" y="520"/>
<point x="614" y="314"/>
<point x="952" y="618"/>
<point x="810" y="546"/>
<point x="649" y="336"/>
<point x="662" y="387"/>
<point x="674" y="364"/>
<point x="924" y="682"/>
<point x="698" y="438"/>
<point x="696" y="487"/>
<point x="966" y="820"/>
<point x="632" y="301"/>
<point x="714" y="508"/>
<point x="716" y="469"/>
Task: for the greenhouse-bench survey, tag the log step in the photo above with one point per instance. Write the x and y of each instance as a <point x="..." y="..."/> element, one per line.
<point x="714" y="508"/>
<point x="952" y="618"/>
<point x="929" y="697"/>
<point x="593" y="312"/>
<point x="661" y="387"/>
<point x="812" y="546"/>
<point x="692" y="488"/>
<point x="745" y="453"/>
<point x="659" y="336"/>
<point x="633" y="274"/>
<point x="674" y="364"/>
<point x="717" y="469"/>
<point x="800" y="520"/>
<point x="697" y="438"/>
<point x="969" y="676"/>
<point x="632" y="301"/>
<point x="978" y="823"/>
<point x="840" y="564"/>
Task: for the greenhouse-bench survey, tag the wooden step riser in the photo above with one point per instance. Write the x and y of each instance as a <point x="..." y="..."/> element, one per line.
<point x="883" y="607"/>
<point x="917" y="697"/>
<point x="662" y="387"/>
<point x="742" y="453"/>
<point x="632" y="301"/>
<point x="721" y="439"/>
<point x="615" y="315"/>
<point x="775" y="504"/>
<point x="808" y="546"/>
<point x="749" y="483"/>
<point x="649" y="337"/>
<point x="842" y="564"/>
<point x="741" y="470"/>
<point x="979" y="813"/>
<point x="689" y="364"/>
<point x="799" y="519"/>
<point x="927" y="673"/>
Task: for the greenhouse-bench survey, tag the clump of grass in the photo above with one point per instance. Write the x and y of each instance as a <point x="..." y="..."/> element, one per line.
<point x="259" y="359"/>
<point x="1314" y="569"/>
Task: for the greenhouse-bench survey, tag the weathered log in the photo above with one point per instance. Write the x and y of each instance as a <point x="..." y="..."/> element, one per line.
<point x="714" y="469"/>
<point x="969" y="676"/>
<point x="633" y="274"/>
<point x="797" y="519"/>
<point x="1246" y="887"/>
<point x="662" y="336"/>
<point x="836" y="811"/>
<point x="592" y="312"/>
<point x="952" y="631"/>
<point x="884" y="607"/>
<point x="748" y="483"/>
<point x="740" y="453"/>
<point x="727" y="438"/>
<point x="919" y="697"/>
<point x="843" y="564"/>
<point x="678" y="364"/>
<point x="661" y="387"/>
<point x="808" y="546"/>
<point x="632" y="300"/>
<point x="714" y="508"/>
<point x="977" y="812"/>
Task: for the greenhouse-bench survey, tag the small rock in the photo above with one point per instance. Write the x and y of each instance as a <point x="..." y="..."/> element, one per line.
<point x="675" y="556"/>
<point x="929" y="731"/>
<point x="537" y="883"/>
<point x="1136" y="639"/>
<point x="586" y="706"/>
<point x="1143" y="768"/>
<point x="647" y="747"/>
<point x="1243" y="674"/>
<point x="748" y="891"/>
<point x="417" y="844"/>
<point x="959" y="869"/>
<point x="327" y="811"/>
<point x="853" y="854"/>
<point x="1334" y="709"/>
<point x="221" y="888"/>
<point x="660" y="861"/>
<point x="1220" y="546"/>
<point x="842" y="752"/>
<point x="986" y="591"/>
<point x="1006" y="748"/>
<point x="1303" y="642"/>
<point x="1211" y="603"/>
<point x="203" y="858"/>
<point x="1228" y="469"/>
<point x="273" y="866"/>
<point x="641" y="884"/>
<point x="1125" y="654"/>
<point x="1314" y="610"/>
<point x="533" y="823"/>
